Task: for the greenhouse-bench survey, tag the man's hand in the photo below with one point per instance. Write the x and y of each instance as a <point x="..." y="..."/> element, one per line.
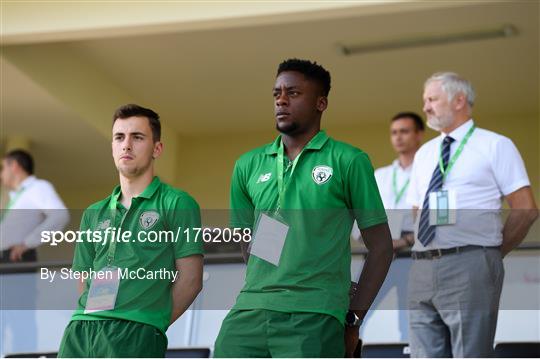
<point x="409" y="238"/>
<point x="17" y="252"/>
<point x="352" y="337"/>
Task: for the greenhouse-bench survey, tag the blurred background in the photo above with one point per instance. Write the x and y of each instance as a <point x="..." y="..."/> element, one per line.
<point x="208" y="69"/>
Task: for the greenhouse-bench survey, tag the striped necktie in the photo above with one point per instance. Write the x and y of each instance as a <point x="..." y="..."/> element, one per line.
<point x="426" y="233"/>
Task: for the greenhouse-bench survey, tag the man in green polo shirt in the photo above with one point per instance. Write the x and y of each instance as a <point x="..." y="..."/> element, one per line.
<point x="138" y="285"/>
<point x="301" y="195"/>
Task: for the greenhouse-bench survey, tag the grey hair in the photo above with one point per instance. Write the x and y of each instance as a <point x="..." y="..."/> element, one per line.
<point x="453" y="84"/>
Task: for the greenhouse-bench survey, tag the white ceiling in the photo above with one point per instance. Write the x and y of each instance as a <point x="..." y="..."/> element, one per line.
<point x="63" y="145"/>
<point x="218" y="80"/>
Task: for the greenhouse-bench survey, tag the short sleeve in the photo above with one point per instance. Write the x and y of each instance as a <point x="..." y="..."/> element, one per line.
<point x="187" y="216"/>
<point x="242" y="209"/>
<point x="85" y="252"/>
<point x="508" y="167"/>
<point x="363" y="193"/>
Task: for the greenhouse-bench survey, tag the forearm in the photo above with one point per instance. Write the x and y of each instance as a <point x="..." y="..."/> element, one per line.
<point x="55" y="220"/>
<point x="374" y="271"/>
<point x="516" y="227"/>
<point x="184" y="292"/>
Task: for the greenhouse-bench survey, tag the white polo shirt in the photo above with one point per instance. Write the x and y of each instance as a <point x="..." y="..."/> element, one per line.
<point x="489" y="168"/>
<point x="384" y="177"/>
<point x="36" y="208"/>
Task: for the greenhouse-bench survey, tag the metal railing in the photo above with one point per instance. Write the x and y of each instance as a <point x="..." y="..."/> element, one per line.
<point x="210" y="258"/>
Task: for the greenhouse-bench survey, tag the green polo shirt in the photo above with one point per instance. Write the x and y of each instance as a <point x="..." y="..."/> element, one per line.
<point x="159" y="208"/>
<point x="332" y="185"/>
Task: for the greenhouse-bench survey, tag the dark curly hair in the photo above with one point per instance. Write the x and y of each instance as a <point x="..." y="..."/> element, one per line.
<point x="311" y="70"/>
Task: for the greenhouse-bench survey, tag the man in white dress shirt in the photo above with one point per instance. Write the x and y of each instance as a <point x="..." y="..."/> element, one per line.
<point x="33" y="206"/>
<point x="456" y="277"/>
<point x="406" y="133"/>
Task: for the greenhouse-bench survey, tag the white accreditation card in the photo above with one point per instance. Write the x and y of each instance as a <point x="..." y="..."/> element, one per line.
<point x="395" y="222"/>
<point x="269" y="239"/>
<point x="103" y="290"/>
<point x="442" y="208"/>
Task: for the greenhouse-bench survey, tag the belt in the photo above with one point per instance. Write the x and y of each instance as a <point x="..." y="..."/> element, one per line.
<point x="437" y="253"/>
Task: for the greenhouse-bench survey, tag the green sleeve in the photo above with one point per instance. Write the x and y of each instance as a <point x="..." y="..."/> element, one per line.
<point x="187" y="215"/>
<point x="83" y="260"/>
<point x="363" y="193"/>
<point x="242" y="209"/>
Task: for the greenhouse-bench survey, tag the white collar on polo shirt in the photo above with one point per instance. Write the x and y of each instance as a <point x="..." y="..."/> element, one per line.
<point x="28" y="181"/>
<point x="396" y="164"/>
<point x="460" y="132"/>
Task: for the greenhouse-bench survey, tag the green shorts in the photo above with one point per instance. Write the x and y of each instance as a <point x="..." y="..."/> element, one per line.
<point x="112" y="339"/>
<point x="267" y="333"/>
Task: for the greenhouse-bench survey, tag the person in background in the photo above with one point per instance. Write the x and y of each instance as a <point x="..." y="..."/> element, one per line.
<point x="33" y="207"/>
<point x="458" y="181"/>
<point x="406" y="133"/>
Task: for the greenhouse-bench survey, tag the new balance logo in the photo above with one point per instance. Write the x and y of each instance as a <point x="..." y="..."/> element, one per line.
<point x="264" y="177"/>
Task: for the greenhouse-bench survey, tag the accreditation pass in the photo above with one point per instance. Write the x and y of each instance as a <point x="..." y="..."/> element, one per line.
<point x="269" y="239"/>
<point x="103" y="291"/>
<point x="442" y="207"/>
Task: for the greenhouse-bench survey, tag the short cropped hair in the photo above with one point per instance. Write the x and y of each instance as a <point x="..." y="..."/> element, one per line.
<point x="418" y="122"/>
<point x="23" y="159"/>
<point x="131" y="110"/>
<point x="311" y="70"/>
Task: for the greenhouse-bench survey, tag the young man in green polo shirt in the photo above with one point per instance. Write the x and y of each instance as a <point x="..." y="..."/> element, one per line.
<point x="300" y="195"/>
<point x="145" y="284"/>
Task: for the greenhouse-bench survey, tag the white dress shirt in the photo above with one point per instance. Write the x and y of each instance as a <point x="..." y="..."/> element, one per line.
<point x="384" y="177"/>
<point x="488" y="168"/>
<point x="34" y="207"/>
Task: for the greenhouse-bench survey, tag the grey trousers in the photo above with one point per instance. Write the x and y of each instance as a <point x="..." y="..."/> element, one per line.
<point x="454" y="302"/>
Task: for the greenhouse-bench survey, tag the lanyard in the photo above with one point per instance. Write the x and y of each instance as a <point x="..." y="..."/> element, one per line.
<point x="398" y="194"/>
<point x="11" y="202"/>
<point x="112" y="246"/>
<point x="445" y="171"/>
<point x="280" y="173"/>
<point x="14" y="198"/>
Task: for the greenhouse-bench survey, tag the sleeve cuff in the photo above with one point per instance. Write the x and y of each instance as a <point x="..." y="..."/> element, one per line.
<point x="189" y="253"/>
<point x="514" y="187"/>
<point x="372" y="222"/>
